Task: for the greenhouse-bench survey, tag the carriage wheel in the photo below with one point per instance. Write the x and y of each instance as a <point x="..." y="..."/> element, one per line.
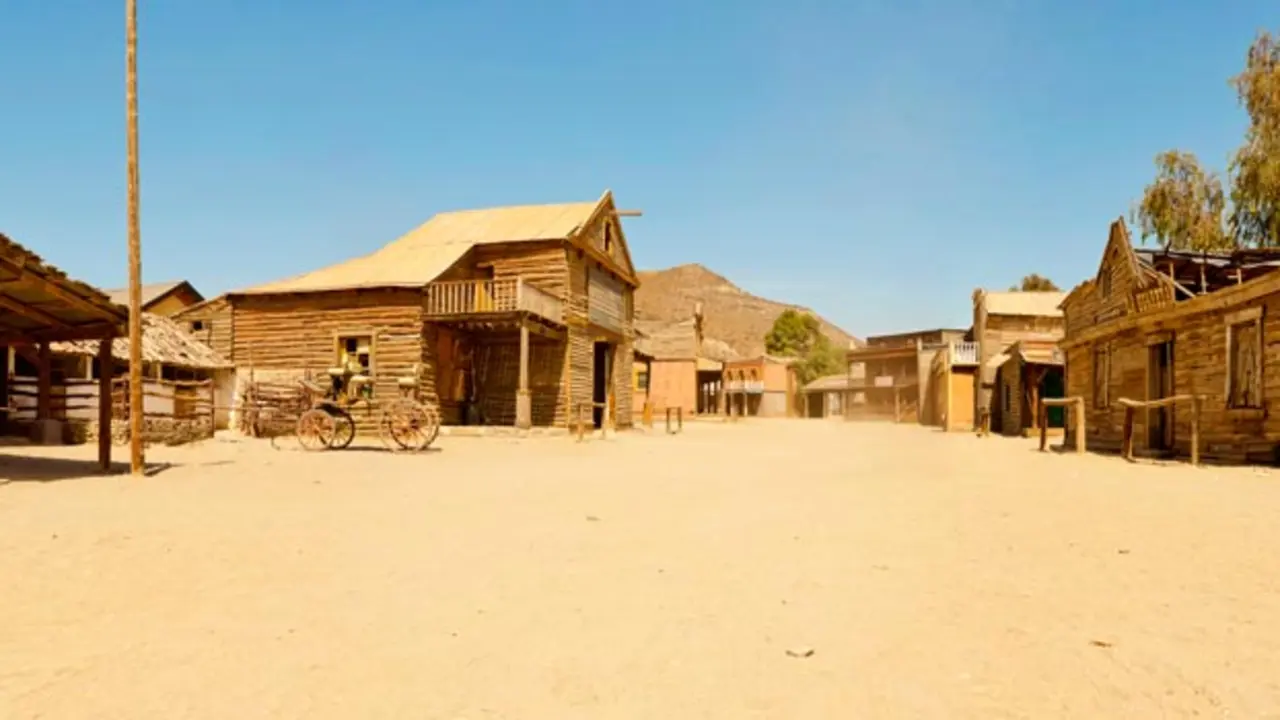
<point x="344" y="429"/>
<point x="409" y="425"/>
<point x="316" y="430"/>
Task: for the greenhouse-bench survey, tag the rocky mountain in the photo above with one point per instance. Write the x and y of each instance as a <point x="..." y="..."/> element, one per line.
<point x="730" y="314"/>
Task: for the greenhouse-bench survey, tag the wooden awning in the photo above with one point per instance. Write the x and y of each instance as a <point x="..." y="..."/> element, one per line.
<point x="38" y="302"/>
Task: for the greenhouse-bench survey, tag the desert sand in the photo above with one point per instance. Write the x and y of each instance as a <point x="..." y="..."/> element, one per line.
<point x="768" y="569"/>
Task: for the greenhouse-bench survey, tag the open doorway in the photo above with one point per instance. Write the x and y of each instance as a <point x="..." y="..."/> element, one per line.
<point x="602" y="378"/>
<point x="1160" y="385"/>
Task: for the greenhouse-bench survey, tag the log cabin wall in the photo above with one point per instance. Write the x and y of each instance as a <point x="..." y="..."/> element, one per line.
<point x="212" y="324"/>
<point x="1199" y="368"/>
<point x="285" y="337"/>
<point x="579" y="348"/>
<point x="497" y="357"/>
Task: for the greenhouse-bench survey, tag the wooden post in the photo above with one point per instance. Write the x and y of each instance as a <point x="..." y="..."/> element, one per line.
<point x="524" y="403"/>
<point x="1042" y="417"/>
<point x="582" y="424"/>
<point x="106" y="371"/>
<point x="897" y="404"/>
<point x="1195" y="429"/>
<point x="1127" y="446"/>
<point x="44" y="385"/>
<point x="1080" y="424"/>
<point x="136" y="459"/>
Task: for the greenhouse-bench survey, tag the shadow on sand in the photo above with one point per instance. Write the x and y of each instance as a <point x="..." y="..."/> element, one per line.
<point x="22" y="468"/>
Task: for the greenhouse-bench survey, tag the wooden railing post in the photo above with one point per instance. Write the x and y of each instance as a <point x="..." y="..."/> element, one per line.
<point x="1042" y="417"/>
<point x="1080" y="424"/>
<point x="1127" y="437"/>
<point x="1195" y="429"/>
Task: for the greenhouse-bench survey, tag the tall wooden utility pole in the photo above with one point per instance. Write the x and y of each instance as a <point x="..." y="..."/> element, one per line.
<point x="136" y="460"/>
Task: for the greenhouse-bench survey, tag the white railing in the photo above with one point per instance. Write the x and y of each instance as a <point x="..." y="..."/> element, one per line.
<point x="476" y="297"/>
<point x="964" y="353"/>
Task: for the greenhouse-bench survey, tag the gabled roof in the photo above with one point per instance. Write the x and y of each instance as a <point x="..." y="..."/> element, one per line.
<point x="152" y="292"/>
<point x="829" y="383"/>
<point x="421" y="255"/>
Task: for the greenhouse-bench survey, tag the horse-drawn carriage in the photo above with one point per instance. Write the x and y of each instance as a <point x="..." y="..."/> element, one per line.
<point x="403" y="423"/>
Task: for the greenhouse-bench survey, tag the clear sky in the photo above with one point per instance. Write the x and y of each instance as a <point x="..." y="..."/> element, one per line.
<point x="873" y="160"/>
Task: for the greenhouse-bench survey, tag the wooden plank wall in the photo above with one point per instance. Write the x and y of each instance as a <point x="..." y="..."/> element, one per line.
<point x="498" y="358"/>
<point x="219" y="326"/>
<point x="284" y="337"/>
<point x="1200" y="368"/>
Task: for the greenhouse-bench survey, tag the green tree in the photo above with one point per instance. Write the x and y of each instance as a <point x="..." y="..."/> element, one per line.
<point x="1183" y="207"/>
<point x="799" y="335"/>
<point x="1255" y="168"/>
<point x="1034" y="283"/>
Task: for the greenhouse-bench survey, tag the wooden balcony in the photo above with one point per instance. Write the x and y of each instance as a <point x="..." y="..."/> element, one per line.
<point x="964" y="353"/>
<point x="478" y="299"/>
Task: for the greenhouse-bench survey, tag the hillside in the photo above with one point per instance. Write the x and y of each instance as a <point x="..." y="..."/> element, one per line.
<point x="730" y="314"/>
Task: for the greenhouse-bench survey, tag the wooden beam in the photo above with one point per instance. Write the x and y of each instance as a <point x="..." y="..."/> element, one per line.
<point x="628" y="213"/>
<point x="31" y="313"/>
<point x="106" y="371"/>
<point x="44" y="384"/>
<point x="55" y="289"/>
<point x="94" y="331"/>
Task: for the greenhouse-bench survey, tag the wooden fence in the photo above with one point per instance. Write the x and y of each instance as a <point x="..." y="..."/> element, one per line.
<point x="1130" y="406"/>
<point x="1076" y="406"/>
<point x="174" y="411"/>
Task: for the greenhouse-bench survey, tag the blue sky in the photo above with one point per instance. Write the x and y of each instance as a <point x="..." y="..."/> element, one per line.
<point x="874" y="160"/>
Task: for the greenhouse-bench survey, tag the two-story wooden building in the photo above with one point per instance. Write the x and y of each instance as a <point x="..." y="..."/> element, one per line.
<point x="1155" y="324"/>
<point x="888" y="370"/>
<point x="1001" y="319"/>
<point x="512" y="316"/>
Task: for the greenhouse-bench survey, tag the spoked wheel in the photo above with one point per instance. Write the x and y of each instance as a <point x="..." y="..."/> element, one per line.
<point x="316" y="430"/>
<point x="409" y="426"/>
<point x="344" y="429"/>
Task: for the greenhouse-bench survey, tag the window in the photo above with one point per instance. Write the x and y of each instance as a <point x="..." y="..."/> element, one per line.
<point x="1244" y="359"/>
<point x="608" y="237"/>
<point x="1101" y="376"/>
<point x="355" y="352"/>
<point x="642" y="380"/>
<point x="197" y="326"/>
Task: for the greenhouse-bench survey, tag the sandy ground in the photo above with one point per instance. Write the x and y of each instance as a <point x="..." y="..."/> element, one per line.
<point x="933" y="576"/>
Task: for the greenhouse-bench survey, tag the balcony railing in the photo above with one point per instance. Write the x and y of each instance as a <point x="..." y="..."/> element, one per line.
<point x="481" y="297"/>
<point x="964" y="353"/>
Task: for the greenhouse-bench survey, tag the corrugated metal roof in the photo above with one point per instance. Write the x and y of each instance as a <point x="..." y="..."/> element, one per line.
<point x="420" y="256"/>
<point x="1039" y="304"/>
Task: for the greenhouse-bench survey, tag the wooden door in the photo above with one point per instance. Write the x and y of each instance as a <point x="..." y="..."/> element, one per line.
<point x="1160" y="385"/>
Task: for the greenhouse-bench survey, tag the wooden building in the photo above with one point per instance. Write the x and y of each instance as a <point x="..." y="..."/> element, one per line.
<point x="1032" y="370"/>
<point x="888" y="369"/>
<point x="999" y="320"/>
<point x="763" y="386"/>
<point x="685" y="368"/>
<point x="166" y="298"/>
<point x="512" y="316"/>
<point x="188" y="387"/>
<point x="1155" y="325"/>
<point x="953" y="376"/>
<point x="40" y="305"/>
<point x="828" y="396"/>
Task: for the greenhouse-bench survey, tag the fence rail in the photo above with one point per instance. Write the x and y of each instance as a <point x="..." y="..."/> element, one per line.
<point x="478" y="297"/>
